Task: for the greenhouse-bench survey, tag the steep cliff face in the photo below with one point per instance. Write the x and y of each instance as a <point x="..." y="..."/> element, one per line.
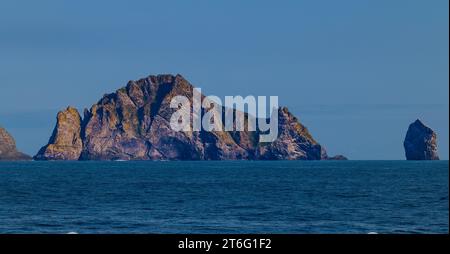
<point x="8" y="150"/>
<point x="65" y="142"/>
<point x="134" y="124"/>
<point x="420" y="142"/>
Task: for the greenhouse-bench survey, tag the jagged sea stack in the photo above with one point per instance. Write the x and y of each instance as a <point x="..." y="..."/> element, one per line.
<point x="420" y="142"/>
<point x="8" y="150"/>
<point x="65" y="142"/>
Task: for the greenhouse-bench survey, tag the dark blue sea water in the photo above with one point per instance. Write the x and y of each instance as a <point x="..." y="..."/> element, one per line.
<point x="224" y="197"/>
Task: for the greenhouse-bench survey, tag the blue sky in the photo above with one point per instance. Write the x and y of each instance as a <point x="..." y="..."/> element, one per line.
<point x="355" y="72"/>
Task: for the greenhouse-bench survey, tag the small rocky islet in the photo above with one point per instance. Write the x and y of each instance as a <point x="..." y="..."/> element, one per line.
<point x="420" y="142"/>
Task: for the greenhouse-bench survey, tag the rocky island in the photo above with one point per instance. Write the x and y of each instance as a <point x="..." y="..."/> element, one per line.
<point x="133" y="124"/>
<point x="420" y="142"/>
<point x="8" y="150"/>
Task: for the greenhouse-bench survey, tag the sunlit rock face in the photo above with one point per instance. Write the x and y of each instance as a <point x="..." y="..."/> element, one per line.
<point x="65" y="142"/>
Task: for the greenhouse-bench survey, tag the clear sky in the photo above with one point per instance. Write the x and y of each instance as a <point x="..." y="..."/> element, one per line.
<point x="355" y="72"/>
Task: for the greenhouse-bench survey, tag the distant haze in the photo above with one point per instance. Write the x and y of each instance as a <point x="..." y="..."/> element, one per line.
<point x="356" y="73"/>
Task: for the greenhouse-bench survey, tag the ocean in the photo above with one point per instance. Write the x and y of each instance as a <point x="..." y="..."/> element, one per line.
<point x="225" y="197"/>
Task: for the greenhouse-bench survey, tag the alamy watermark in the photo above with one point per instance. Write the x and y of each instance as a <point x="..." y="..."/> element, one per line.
<point x="189" y="117"/>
